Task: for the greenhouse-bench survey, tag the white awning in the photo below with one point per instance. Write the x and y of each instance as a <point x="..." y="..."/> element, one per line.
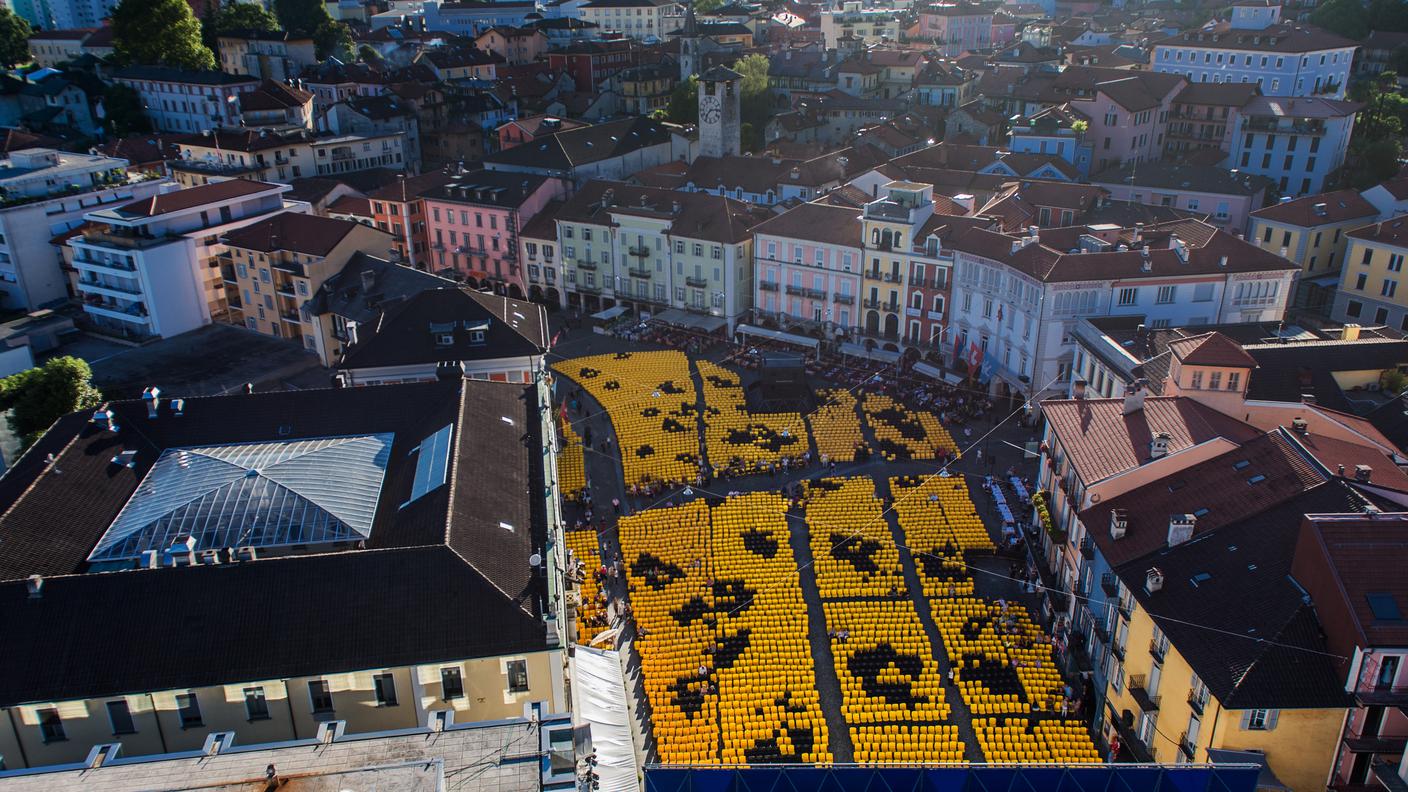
<point x="610" y="313"/>
<point x="692" y="320"/>
<point x="933" y="372"/>
<point x="857" y="350"/>
<point x="599" y="701"/>
<point x="777" y="335"/>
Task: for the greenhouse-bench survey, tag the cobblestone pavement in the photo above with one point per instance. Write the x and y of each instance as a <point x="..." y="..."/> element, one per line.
<point x="989" y="450"/>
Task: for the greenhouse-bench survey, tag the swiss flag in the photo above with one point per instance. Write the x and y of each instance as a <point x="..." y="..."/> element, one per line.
<point x="975" y="357"/>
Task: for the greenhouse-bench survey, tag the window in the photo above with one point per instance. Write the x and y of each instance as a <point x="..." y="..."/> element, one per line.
<point x="1353" y="308"/>
<point x="1395" y="262"/>
<point x="1128" y="296"/>
<point x="385" y="685"/>
<point x="1234" y="380"/>
<point x="1197" y="380"/>
<point x="188" y="707"/>
<point x="1166" y="294"/>
<point x="1215" y="380"/>
<point x="451" y="684"/>
<point x="1259" y="720"/>
<point x="319" y="696"/>
<point x="517" y="676"/>
<point x="256" y="706"/>
<point x="1202" y="292"/>
<point x="51" y="726"/>
<point x="121" y="717"/>
<point x="1360" y="281"/>
<point x="1389" y="287"/>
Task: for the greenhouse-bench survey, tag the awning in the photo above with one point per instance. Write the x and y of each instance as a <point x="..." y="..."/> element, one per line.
<point x="856" y="350"/>
<point x="777" y="335"/>
<point x="694" y="321"/>
<point x="609" y="314"/>
<point x="599" y="700"/>
<point x="1265" y="780"/>
<point x="934" y="372"/>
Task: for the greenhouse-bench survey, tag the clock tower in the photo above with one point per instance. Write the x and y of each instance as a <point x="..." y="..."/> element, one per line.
<point x="720" y="124"/>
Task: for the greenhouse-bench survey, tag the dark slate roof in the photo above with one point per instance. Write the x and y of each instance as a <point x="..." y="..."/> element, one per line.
<point x="487" y="188"/>
<point x="178" y="200"/>
<point x="301" y="233"/>
<point x="1245" y="628"/>
<point x="572" y="148"/>
<point x="345" y="295"/>
<point x="162" y="636"/>
<point x="1287" y="371"/>
<point x="403" y="337"/>
<point x="194" y="77"/>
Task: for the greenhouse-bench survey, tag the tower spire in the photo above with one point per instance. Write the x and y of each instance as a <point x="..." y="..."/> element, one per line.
<point x="689" y="43"/>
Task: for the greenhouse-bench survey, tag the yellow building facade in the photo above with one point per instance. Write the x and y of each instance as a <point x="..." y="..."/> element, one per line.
<point x="1372" y="288"/>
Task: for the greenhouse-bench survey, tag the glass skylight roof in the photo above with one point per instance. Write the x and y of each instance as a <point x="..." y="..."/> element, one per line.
<point x="432" y="463"/>
<point x="260" y="494"/>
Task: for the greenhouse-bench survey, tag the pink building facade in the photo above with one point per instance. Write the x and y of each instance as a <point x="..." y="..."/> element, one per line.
<point x="956" y="28"/>
<point x="926" y="301"/>
<point x="473" y="225"/>
<point x="807" y="269"/>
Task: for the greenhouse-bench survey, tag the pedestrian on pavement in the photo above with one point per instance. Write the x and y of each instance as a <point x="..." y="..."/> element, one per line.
<point x="616" y="504"/>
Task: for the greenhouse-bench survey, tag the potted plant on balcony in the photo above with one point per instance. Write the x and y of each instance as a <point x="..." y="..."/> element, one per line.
<point x="1043" y="513"/>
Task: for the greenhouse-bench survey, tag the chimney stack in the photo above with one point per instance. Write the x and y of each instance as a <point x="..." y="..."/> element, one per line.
<point x="152" y="396"/>
<point x="1153" y="580"/>
<point x="1180" y="528"/>
<point x="1158" y="447"/>
<point x="1363" y="473"/>
<point x="35" y="586"/>
<point x="1078" y="388"/>
<point x="368" y="280"/>
<point x="1134" y="394"/>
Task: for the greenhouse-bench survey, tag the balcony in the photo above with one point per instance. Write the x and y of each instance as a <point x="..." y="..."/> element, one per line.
<point x="912" y="311"/>
<point x="1125" y="607"/>
<point x="1159" y="650"/>
<point x="936" y="316"/>
<point x="639" y="251"/>
<point x="795" y="291"/>
<point x="135" y="313"/>
<point x="892" y="307"/>
<point x="586" y="265"/>
<point x="1197" y="702"/>
<point x="1117" y="651"/>
<point x="1383" y="697"/>
<point x="1100" y="631"/>
<point x="767" y="286"/>
<point x="1087" y="548"/>
<point x="1186" y="746"/>
<point x="1139" y="691"/>
<point x="815" y="294"/>
<point x="588" y="289"/>
<point x="640" y="272"/>
<point x="291" y="317"/>
<point x="1273" y="126"/>
<point x="290" y="267"/>
<point x="696" y="283"/>
<point x="893" y="277"/>
<point x="844" y="299"/>
<point x="1377" y="745"/>
<point x="873" y="304"/>
<point x="1110" y="585"/>
<point x="871" y="274"/>
<point x="104" y="287"/>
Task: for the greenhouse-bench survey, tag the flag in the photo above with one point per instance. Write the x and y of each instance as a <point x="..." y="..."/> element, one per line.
<point x="556" y="336"/>
<point x="975" y="357"/>
<point x="957" y="348"/>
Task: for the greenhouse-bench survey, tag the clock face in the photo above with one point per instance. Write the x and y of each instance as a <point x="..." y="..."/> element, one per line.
<point x="709" y="109"/>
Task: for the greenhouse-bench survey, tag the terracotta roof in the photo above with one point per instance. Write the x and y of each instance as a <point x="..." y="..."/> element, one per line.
<point x="1175" y="176"/>
<point x="544" y="223"/>
<point x="75" y="34"/>
<point x="835" y="225"/>
<point x="1101" y="441"/>
<point x="699" y="215"/>
<point x="410" y="187"/>
<point x="1364" y="559"/>
<point x="402" y="336"/>
<point x="1388" y="232"/>
<point x="1280" y="37"/>
<point x="1212" y="349"/>
<point x="1217" y="94"/>
<point x="351" y="205"/>
<point x="177" y="200"/>
<point x="1323" y="209"/>
<point x="293" y="231"/>
<point x="1341" y="457"/>
<point x="1229" y="487"/>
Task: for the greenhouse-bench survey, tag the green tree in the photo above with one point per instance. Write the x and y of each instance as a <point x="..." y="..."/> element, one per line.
<point x="235" y="17"/>
<point x="756" y="102"/>
<point x="311" y="18"/>
<point x="14" y="39"/>
<point x="684" y="103"/>
<point x="754" y="69"/>
<point x="1389" y="15"/>
<point x="332" y="39"/>
<point x="1374" y="162"/>
<point x="1348" y="18"/>
<point x="159" y="32"/>
<point x="41" y="395"/>
<point x="122" y="111"/>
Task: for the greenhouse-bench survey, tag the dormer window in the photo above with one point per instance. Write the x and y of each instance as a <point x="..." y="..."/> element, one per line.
<point x="476" y="336"/>
<point x="444" y="339"/>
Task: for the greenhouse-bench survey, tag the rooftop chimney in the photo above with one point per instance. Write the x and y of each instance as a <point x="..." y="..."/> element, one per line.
<point x="152" y="396"/>
<point x="1321" y="209"/>
<point x="1178" y="247"/>
<point x="1153" y="580"/>
<point x="1180" y="528"/>
<point x="1350" y="332"/>
<point x="1078" y="389"/>
<point x="1363" y="473"/>
<point x="368" y="280"/>
<point x="1134" y="394"/>
<point x="35" y="586"/>
<point x="1119" y="523"/>
<point x="1158" y="446"/>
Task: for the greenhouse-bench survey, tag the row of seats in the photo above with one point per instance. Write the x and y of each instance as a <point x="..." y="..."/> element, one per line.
<point x="731" y="431"/>
<point x="571" y="461"/>
<point x="724" y="656"/>
<point x="937" y="515"/>
<point x="853" y="551"/>
<point x="652" y="402"/>
<point x="902" y="433"/>
<point x="590" y="613"/>
<point x="885" y="664"/>
<point x="1019" y="740"/>
<point x="907" y="743"/>
<point x="836" y="426"/>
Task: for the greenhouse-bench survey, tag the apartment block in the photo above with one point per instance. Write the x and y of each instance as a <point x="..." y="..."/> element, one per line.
<point x="149" y="269"/>
<point x="1296" y="142"/>
<point x="47" y="193"/>
<point x="180" y="100"/>
<point x="282" y="155"/>
<point x="272" y="268"/>
<point x="1369" y="277"/>
<point x="269" y="55"/>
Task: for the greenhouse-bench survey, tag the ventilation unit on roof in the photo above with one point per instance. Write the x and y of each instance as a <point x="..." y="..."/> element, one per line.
<point x="1180" y="528"/>
<point x="1158" y="446"/>
<point x="1119" y="523"/>
<point x="126" y="458"/>
<point x="1299" y="426"/>
<point x="1363" y="473"/>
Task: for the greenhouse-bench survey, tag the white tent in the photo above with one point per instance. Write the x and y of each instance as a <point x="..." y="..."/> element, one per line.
<point x="599" y="699"/>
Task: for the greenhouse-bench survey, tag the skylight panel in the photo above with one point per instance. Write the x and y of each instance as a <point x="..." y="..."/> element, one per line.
<point x="432" y="463"/>
<point x="1384" y="607"/>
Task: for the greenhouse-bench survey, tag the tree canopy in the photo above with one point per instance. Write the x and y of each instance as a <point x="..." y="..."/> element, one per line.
<point x="14" y="39"/>
<point x="311" y="18"/>
<point x="159" y="33"/>
<point x="684" y="103"/>
<point x="122" y="111"/>
<point x="1348" y="18"/>
<point x="43" y="394"/>
<point x="756" y="105"/>
<point x="1377" y="144"/>
<point x="235" y="17"/>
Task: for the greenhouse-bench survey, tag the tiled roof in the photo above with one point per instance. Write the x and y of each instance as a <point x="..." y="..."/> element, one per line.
<point x="1217" y="94"/>
<point x="1300" y="107"/>
<point x="1101" y="441"/>
<point x="184" y="76"/>
<point x="544" y="223"/>
<point x="698" y="216"/>
<point x="75" y="34"/>
<point x="293" y="231"/>
<point x="345" y="293"/>
<point x="351" y="205"/>
<point x="1393" y="231"/>
<point x="1211" y="349"/>
<point x="504" y="189"/>
<point x="1323" y="209"/>
<point x="403" y="335"/>
<point x="1175" y="176"/>
<point x="834" y="225"/>
<point x="1280" y="37"/>
<point x="1230" y="609"/>
<point x="1216" y="492"/>
<point x="1286" y="371"/>
<point x="177" y="200"/>
<point x="572" y="148"/>
<point x="1342" y="562"/>
<point x="1341" y="457"/>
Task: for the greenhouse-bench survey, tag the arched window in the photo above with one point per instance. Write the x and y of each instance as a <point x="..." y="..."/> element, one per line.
<point x="938" y="303"/>
<point x="875" y="236"/>
<point x="916" y="301"/>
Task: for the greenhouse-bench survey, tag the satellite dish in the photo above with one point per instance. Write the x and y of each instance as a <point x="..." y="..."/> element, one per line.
<point x="535" y="560"/>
